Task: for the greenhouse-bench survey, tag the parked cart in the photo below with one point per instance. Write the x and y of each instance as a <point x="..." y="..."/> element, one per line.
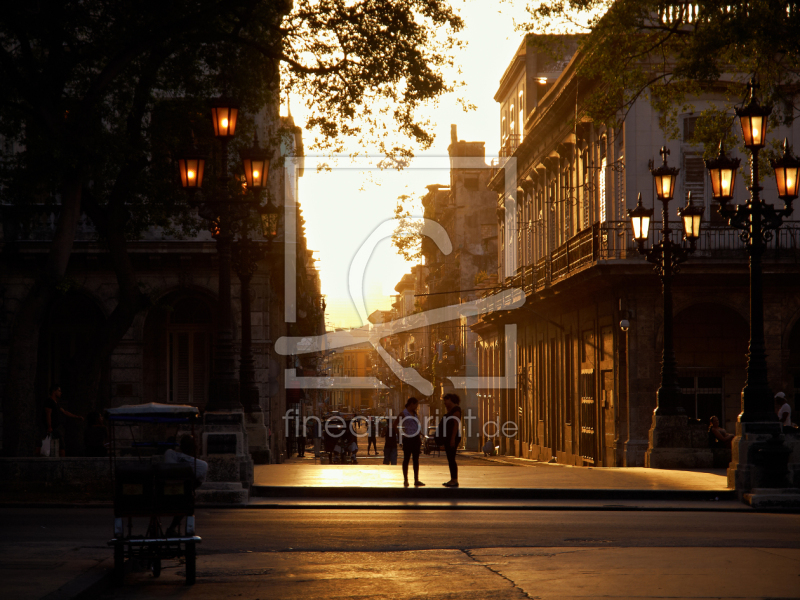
<point x="149" y="489"/>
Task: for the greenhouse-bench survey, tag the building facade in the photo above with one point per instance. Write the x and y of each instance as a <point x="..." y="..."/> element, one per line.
<point x="584" y="389"/>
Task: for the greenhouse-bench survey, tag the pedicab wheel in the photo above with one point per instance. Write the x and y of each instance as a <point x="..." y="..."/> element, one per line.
<point x="191" y="563"/>
<point x="119" y="563"/>
<point x="156" y="566"/>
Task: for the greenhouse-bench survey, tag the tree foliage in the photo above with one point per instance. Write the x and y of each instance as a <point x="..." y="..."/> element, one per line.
<point x="99" y="95"/>
<point x="674" y="51"/>
<point x="407" y="236"/>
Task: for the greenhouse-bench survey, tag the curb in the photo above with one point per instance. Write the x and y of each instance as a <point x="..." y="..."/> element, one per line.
<point x="396" y="493"/>
<point x="88" y="585"/>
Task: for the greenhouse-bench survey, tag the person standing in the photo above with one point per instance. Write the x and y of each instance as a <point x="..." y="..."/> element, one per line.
<point x="783" y="410"/>
<point x="54" y="415"/>
<point x="452" y="434"/>
<point x="372" y="435"/>
<point x="412" y="442"/>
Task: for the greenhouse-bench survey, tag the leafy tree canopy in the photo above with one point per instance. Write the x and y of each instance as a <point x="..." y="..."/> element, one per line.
<point x="673" y="51"/>
<point x="82" y="78"/>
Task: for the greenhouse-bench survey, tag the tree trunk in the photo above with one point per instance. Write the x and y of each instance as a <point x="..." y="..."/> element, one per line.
<point x="90" y="363"/>
<point x="20" y="429"/>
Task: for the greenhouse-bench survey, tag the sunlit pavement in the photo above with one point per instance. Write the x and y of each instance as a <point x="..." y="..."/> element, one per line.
<point x="476" y="472"/>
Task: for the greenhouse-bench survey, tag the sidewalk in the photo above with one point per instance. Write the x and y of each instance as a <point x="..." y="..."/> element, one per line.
<point x="485" y="479"/>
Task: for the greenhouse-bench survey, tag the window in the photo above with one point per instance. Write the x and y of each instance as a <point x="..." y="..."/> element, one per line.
<point x="694" y="176"/>
<point x="688" y="129"/>
<point x="189" y="352"/>
<point x="188" y="366"/>
<point x="702" y="397"/>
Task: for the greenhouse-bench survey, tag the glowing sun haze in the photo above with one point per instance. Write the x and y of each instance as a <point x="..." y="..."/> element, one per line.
<point x="343" y="206"/>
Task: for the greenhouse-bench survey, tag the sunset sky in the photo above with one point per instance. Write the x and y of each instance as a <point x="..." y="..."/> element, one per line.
<point x="343" y="206"/>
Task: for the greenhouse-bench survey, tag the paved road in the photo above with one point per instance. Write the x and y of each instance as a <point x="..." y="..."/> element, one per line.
<point x="434" y="554"/>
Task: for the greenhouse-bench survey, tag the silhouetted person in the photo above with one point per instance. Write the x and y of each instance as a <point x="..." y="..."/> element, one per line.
<point x="412" y="441"/>
<point x="54" y="415"/>
<point x="722" y="437"/>
<point x="186" y="455"/>
<point x="452" y="435"/>
<point x="372" y="435"/>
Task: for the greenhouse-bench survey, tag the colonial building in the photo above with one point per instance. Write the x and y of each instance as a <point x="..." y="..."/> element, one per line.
<point x="584" y="389"/>
<point x="167" y="354"/>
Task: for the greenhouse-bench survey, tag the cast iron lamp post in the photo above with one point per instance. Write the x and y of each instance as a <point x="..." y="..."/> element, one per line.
<point x="666" y="256"/>
<point x="223" y="210"/>
<point x="246" y="255"/>
<point x="756" y="220"/>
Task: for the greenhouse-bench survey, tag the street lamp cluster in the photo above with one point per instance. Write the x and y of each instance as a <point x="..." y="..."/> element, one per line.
<point x="224" y="210"/>
<point x="755" y="219"/>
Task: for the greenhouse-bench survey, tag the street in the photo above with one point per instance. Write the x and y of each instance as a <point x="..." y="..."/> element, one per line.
<point x="436" y="554"/>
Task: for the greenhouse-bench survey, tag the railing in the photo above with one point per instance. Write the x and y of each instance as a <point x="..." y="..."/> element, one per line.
<point x="578" y="251"/>
<point x="724" y="243"/>
<point x="613" y="240"/>
<point x="509" y="145"/>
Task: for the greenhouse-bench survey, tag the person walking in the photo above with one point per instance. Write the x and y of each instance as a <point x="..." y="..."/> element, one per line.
<point x="412" y="442"/>
<point x="372" y="435"/>
<point x="54" y="415"/>
<point x="452" y="433"/>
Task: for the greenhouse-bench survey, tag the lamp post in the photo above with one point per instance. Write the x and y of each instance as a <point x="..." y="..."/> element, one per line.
<point x="667" y="255"/>
<point x="756" y="220"/>
<point x="222" y="210"/>
<point x="246" y="255"/>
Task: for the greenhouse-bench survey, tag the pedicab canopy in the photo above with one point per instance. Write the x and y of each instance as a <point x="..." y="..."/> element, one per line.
<point x="153" y="412"/>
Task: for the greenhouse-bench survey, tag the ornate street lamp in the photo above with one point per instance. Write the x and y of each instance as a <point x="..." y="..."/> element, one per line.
<point x="640" y="220"/>
<point x="754" y="118"/>
<point x="692" y="216"/>
<point x="192" y="166"/>
<point x="664" y="178"/>
<point x="224" y="112"/>
<point x="256" y="166"/>
<point x="722" y="171"/>
<point x="756" y="220"/>
<point x="222" y="211"/>
<point x="787" y="169"/>
<point x="666" y="255"/>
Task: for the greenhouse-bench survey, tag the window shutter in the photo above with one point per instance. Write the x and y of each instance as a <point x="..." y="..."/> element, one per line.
<point x="694" y="177"/>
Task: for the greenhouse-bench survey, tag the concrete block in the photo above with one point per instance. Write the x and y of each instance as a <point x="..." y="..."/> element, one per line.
<point x="679" y="458"/>
<point x="770" y="498"/>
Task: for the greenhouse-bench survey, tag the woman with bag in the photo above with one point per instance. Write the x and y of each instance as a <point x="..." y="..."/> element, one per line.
<point x="452" y="435"/>
<point x="412" y="442"/>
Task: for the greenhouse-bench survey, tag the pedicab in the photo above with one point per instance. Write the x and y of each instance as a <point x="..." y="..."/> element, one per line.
<point x="149" y="489"/>
<point x="338" y="439"/>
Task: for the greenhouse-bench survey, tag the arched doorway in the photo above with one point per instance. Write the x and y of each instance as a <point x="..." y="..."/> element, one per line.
<point x="178" y="341"/>
<point x="711" y="343"/>
<point x="72" y="320"/>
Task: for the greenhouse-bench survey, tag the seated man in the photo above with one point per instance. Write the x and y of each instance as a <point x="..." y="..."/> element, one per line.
<point x="186" y="456"/>
<point x="717" y="435"/>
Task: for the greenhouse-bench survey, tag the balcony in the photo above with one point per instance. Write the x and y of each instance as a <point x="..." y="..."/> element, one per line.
<point x="613" y="241"/>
